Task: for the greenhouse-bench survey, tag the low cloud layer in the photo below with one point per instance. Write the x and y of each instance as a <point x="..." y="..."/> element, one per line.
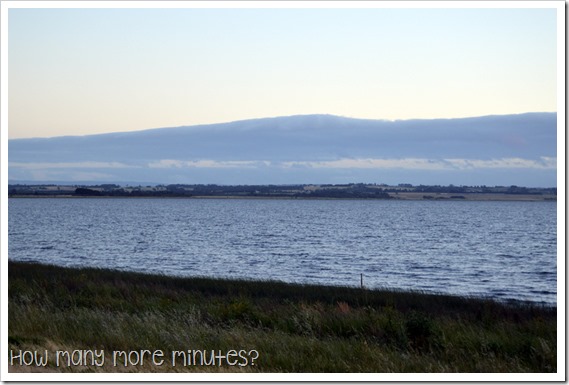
<point x="207" y="163"/>
<point x="432" y="164"/>
<point x="68" y="165"/>
<point x="513" y="149"/>
<point x="369" y="163"/>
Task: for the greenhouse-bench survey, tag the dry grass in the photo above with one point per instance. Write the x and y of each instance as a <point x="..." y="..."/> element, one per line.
<point x="294" y="328"/>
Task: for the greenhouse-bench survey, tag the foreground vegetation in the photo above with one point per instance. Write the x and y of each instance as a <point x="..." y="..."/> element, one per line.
<point x="293" y="328"/>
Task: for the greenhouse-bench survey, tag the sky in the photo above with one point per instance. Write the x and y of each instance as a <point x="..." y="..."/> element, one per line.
<point x="86" y="71"/>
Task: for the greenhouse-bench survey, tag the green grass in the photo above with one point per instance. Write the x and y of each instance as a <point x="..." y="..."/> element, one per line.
<point x="294" y="328"/>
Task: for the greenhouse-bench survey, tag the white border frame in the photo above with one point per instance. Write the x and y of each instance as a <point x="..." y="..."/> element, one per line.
<point x="304" y="377"/>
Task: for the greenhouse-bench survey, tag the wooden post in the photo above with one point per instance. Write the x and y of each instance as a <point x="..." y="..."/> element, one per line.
<point x="362" y="280"/>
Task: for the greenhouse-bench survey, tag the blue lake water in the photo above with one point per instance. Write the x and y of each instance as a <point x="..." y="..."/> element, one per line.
<point x="503" y="250"/>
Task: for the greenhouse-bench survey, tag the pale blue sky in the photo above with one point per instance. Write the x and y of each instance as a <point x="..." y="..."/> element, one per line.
<point x="84" y="71"/>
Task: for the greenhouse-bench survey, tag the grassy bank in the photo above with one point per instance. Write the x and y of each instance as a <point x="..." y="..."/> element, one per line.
<point x="257" y="326"/>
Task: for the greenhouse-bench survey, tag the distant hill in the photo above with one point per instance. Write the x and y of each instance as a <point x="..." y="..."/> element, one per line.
<point x="514" y="149"/>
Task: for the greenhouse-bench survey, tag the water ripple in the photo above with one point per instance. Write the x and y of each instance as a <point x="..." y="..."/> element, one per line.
<point x="504" y="250"/>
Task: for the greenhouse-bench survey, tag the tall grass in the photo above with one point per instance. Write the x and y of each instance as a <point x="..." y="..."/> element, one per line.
<point x="293" y="327"/>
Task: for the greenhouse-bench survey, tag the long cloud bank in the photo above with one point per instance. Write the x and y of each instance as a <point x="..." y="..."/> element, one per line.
<point x="510" y="149"/>
<point x="369" y="163"/>
<point x="408" y="163"/>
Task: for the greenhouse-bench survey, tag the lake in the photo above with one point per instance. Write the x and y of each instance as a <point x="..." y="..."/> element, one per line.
<point x="503" y="250"/>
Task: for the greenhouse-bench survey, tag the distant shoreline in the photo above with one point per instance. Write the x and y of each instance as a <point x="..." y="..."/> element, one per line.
<point x="407" y="196"/>
<point x="369" y="191"/>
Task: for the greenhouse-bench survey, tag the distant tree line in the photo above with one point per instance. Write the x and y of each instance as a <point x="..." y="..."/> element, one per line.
<point x="352" y="190"/>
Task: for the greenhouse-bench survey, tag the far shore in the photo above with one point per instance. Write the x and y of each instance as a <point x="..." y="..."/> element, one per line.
<point x="350" y="191"/>
<point x="473" y="196"/>
<point x="407" y="196"/>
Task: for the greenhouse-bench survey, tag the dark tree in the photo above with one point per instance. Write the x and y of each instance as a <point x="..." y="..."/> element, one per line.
<point x="86" y="192"/>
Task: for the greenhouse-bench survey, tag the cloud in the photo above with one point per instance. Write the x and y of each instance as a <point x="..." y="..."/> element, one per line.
<point x="241" y="171"/>
<point x="66" y="165"/>
<point x="504" y="163"/>
<point x="344" y="163"/>
<point x="428" y="164"/>
<point x="370" y="163"/>
<point x="172" y="163"/>
<point x="46" y="175"/>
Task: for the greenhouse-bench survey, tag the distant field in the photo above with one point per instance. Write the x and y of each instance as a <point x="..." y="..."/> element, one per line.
<point x="401" y="195"/>
<point x="257" y="326"/>
<point x="473" y="196"/>
<point x="338" y="191"/>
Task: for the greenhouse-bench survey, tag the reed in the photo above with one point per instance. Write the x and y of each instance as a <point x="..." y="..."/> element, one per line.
<point x="292" y="327"/>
